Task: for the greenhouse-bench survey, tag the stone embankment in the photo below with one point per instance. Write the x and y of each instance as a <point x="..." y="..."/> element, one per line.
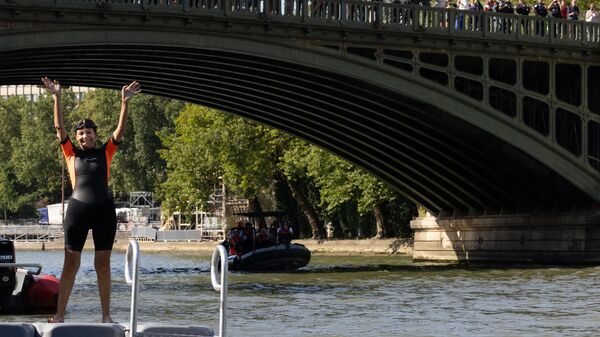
<point x="334" y="247"/>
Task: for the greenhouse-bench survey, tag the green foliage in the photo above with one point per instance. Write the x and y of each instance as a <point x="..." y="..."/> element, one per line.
<point x="338" y="180"/>
<point x="347" y="193"/>
<point x="192" y="165"/>
<point x="208" y="144"/>
<point x="250" y="157"/>
<point x="8" y="191"/>
<point x="181" y="152"/>
<point x="29" y="154"/>
<point x="35" y="156"/>
<point x="11" y="111"/>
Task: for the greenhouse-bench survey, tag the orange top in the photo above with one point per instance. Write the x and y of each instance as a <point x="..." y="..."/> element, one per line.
<point x="89" y="169"/>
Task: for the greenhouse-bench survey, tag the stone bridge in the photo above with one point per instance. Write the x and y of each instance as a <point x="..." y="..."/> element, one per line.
<point x="473" y="115"/>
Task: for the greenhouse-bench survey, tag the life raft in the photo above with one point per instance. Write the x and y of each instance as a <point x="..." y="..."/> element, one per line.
<point x="280" y="257"/>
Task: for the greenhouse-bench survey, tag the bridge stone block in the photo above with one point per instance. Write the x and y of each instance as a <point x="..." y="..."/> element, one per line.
<point x="551" y="238"/>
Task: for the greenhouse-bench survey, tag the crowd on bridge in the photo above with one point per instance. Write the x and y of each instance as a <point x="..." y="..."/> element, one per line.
<point x="538" y="25"/>
<point x="558" y="9"/>
<point x="359" y="10"/>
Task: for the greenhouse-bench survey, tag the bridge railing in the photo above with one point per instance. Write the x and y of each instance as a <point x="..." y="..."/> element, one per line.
<point x="381" y="14"/>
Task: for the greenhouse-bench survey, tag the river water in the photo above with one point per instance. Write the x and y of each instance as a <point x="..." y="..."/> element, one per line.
<point x="347" y="296"/>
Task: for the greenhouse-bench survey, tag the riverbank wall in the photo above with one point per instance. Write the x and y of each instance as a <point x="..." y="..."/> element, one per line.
<point x="324" y="247"/>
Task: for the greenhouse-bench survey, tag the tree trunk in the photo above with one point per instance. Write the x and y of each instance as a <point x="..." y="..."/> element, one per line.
<point x="307" y="209"/>
<point x="379" y="221"/>
<point x="254" y="206"/>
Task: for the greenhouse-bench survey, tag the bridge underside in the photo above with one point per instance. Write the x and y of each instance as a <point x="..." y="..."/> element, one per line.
<point x="435" y="159"/>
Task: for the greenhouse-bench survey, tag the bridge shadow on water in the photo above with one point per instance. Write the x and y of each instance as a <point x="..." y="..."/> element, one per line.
<point x="439" y="267"/>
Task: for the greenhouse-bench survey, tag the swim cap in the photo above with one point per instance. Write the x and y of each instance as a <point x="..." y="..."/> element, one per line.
<point x="85" y="124"/>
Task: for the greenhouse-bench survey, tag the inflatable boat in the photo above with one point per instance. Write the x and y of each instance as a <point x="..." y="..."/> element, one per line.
<point x="281" y="257"/>
<point x="23" y="290"/>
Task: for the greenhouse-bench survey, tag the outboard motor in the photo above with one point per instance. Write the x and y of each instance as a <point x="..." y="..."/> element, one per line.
<point x="8" y="279"/>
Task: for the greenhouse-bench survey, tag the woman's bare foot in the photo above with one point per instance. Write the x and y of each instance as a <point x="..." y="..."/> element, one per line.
<point x="107" y="319"/>
<point x="56" y="319"/>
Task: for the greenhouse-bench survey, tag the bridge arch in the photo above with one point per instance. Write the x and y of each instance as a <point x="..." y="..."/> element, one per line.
<point x="440" y="149"/>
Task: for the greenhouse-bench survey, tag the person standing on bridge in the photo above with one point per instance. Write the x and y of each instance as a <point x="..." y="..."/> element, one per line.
<point x="592" y="14"/>
<point x="541" y="11"/>
<point x="90" y="205"/>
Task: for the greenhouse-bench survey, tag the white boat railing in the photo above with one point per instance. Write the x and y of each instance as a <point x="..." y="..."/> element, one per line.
<point x="132" y="258"/>
<point x="220" y="256"/>
<point x="27" y="266"/>
<point x="219" y="283"/>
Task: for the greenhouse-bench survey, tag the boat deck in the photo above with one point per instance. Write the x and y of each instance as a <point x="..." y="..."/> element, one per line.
<point x="100" y="330"/>
<point x="133" y="329"/>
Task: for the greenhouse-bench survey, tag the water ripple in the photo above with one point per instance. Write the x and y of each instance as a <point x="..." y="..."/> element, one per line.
<point x="374" y="296"/>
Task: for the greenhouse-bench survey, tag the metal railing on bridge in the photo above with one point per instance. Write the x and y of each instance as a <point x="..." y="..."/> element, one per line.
<point x="382" y="15"/>
<point x="19" y="222"/>
<point x="31" y="233"/>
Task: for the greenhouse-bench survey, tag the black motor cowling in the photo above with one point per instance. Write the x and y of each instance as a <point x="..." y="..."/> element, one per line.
<point x="8" y="279"/>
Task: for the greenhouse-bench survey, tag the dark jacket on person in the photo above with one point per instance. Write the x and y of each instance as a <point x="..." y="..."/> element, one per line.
<point x="523" y="9"/>
<point x="555" y="10"/>
<point x="540" y="10"/>
<point x="572" y="13"/>
<point x="506" y="7"/>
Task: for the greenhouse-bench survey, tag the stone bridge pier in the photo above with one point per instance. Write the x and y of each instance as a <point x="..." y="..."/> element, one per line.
<point x="549" y="238"/>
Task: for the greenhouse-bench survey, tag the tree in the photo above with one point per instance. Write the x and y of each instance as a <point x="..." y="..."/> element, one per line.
<point x="294" y="163"/>
<point x="372" y="195"/>
<point x="35" y="155"/>
<point x="339" y="182"/>
<point x="193" y="166"/>
<point x="208" y="144"/>
<point x="11" y="110"/>
<point x="8" y="196"/>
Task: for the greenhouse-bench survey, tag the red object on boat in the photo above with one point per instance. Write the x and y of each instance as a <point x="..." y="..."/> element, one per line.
<point x="43" y="293"/>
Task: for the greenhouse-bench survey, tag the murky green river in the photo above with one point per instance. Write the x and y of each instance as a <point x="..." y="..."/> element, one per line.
<point x="348" y="296"/>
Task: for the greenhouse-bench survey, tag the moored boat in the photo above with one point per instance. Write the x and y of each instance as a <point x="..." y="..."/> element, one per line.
<point x="23" y="290"/>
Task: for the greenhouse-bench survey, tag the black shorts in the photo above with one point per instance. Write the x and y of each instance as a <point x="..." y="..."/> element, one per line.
<point x="81" y="217"/>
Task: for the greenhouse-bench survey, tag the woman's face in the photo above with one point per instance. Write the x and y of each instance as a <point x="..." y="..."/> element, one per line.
<point x="86" y="138"/>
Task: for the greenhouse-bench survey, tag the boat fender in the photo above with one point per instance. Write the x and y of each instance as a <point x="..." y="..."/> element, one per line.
<point x="43" y="293"/>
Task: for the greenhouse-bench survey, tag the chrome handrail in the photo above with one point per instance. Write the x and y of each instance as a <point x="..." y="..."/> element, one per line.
<point x="24" y="265"/>
<point x="220" y="256"/>
<point x="131" y="277"/>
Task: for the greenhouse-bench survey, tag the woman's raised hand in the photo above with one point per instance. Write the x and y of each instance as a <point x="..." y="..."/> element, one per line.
<point x="129" y="90"/>
<point x="52" y="86"/>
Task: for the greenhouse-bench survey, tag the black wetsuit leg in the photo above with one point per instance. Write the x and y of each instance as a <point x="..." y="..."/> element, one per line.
<point x="76" y="226"/>
<point x="104" y="226"/>
<point x="81" y="217"/>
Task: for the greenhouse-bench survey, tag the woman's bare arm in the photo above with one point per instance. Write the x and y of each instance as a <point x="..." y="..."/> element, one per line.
<point x="55" y="90"/>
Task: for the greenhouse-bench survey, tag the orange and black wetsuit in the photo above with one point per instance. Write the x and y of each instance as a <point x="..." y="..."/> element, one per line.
<point x="90" y="206"/>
